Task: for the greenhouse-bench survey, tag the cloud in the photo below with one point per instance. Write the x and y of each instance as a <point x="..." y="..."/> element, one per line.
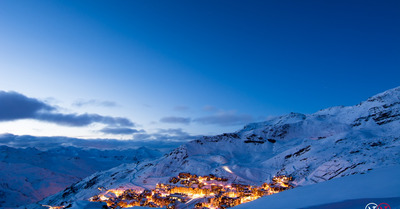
<point x="224" y="119"/>
<point x="220" y="118"/>
<point x="209" y="108"/>
<point x="117" y="130"/>
<point x="181" y="108"/>
<point x="173" y="119"/>
<point x="173" y="131"/>
<point x="94" y="102"/>
<point x="177" y="135"/>
<point x="82" y="119"/>
<point x="15" y="106"/>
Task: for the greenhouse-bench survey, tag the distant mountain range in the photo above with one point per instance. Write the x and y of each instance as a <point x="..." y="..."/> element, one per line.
<point x="28" y="175"/>
<point x="331" y="143"/>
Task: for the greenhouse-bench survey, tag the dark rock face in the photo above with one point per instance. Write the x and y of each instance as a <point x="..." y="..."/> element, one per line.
<point x="380" y="115"/>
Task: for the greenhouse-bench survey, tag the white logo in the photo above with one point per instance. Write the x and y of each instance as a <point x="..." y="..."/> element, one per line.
<point x="371" y="206"/>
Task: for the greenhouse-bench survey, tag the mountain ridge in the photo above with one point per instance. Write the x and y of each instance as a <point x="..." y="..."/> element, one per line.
<point x="312" y="148"/>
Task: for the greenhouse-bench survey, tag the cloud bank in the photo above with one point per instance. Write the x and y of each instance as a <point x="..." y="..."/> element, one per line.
<point x="16" y="106"/>
<point x="220" y="119"/>
<point x="173" y="119"/>
<point x="225" y="119"/>
<point x="181" y="108"/>
<point x="94" y="102"/>
<point x="117" y="130"/>
<point x="172" y="135"/>
<point x="81" y="119"/>
<point x="210" y="108"/>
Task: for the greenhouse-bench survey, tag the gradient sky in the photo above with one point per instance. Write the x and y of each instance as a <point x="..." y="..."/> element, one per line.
<point x="190" y="67"/>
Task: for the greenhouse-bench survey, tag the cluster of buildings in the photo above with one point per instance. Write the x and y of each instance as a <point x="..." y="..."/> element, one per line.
<point x="192" y="191"/>
<point x="53" y="207"/>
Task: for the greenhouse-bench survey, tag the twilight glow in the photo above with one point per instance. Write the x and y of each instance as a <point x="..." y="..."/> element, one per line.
<point x="173" y="70"/>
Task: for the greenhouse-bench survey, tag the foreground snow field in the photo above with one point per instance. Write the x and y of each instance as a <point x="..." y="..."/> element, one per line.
<point x="350" y="192"/>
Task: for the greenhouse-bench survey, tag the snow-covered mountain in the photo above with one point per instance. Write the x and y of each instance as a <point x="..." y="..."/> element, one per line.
<point x="331" y="143"/>
<point x="28" y="175"/>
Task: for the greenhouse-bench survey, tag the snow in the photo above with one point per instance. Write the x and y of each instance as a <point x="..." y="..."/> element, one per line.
<point x="356" y="191"/>
<point x="329" y="144"/>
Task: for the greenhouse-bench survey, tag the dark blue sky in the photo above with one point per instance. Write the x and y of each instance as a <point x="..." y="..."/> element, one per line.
<point x="203" y="66"/>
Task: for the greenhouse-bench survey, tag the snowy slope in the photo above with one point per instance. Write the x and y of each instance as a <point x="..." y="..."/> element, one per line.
<point x="328" y="144"/>
<point x="356" y="191"/>
<point x="29" y="175"/>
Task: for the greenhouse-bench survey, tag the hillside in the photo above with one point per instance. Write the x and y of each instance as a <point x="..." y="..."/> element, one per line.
<point x="329" y="144"/>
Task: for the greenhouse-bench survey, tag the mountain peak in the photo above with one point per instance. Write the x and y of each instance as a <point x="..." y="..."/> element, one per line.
<point x="388" y="96"/>
<point x="313" y="148"/>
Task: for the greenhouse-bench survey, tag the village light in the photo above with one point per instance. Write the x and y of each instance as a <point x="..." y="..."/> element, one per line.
<point x="209" y="192"/>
